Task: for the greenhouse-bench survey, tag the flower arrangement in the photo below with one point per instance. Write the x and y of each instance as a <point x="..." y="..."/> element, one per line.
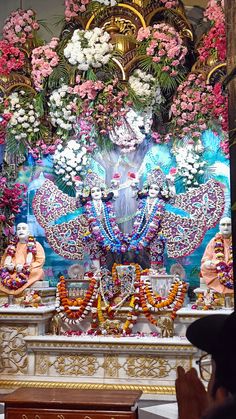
<point x="164" y="49"/>
<point x="11" y="58"/>
<point x="146" y="87"/>
<point x="73" y="7"/>
<point x="70" y="161"/>
<point x="191" y="107"/>
<point x="43" y="60"/>
<point x="89" y="48"/>
<point x="63" y="105"/>
<point x="190" y="164"/>
<point x="11" y="198"/>
<point x="25" y="121"/>
<point x="213" y="44"/>
<point x="108" y="109"/>
<point x="20" y="26"/>
<point x="131" y="133"/>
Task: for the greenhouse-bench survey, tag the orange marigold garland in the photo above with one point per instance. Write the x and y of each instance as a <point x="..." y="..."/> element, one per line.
<point x="85" y="304"/>
<point x="153" y="302"/>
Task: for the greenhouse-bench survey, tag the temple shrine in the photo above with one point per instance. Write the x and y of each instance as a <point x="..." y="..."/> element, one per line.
<point x="115" y="211"/>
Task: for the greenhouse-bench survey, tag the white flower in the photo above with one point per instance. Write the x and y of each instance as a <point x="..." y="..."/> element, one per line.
<point x="69" y="161"/>
<point x="88" y="48"/>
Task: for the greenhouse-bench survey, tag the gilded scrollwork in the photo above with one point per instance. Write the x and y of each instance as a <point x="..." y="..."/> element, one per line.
<point x="13" y="349"/>
<point x="78" y="365"/>
<point x="42" y="364"/>
<point x="111" y="366"/>
<point x="147" y="367"/>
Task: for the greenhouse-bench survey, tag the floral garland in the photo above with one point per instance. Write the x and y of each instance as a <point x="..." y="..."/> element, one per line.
<point x="22" y="277"/>
<point x="225" y="270"/>
<point x="84" y="304"/>
<point x="154" y="302"/>
<point x="105" y="232"/>
<point x="11" y="58"/>
<point x="145" y="229"/>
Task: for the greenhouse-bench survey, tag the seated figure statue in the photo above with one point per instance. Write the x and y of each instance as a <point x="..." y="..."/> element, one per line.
<point x="22" y="262"/>
<point x="217" y="261"/>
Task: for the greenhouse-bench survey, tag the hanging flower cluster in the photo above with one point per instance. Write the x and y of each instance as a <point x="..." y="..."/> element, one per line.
<point x="25" y="121"/>
<point x="11" y="198"/>
<point x="11" y="58"/>
<point x="213" y="44"/>
<point x="165" y="48"/>
<point x="43" y="60"/>
<point x="62" y="110"/>
<point x="70" y="161"/>
<point x="132" y="131"/>
<point x="190" y="164"/>
<point x="89" y="48"/>
<point x="74" y="7"/>
<point x="146" y="87"/>
<point x="20" y="26"/>
<point x="108" y="109"/>
<point x="191" y="107"/>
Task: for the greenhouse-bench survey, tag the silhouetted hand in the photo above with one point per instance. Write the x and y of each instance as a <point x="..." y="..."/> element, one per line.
<point x="191" y="394"/>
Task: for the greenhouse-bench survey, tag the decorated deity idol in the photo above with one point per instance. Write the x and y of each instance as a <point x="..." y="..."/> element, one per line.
<point x="92" y="226"/>
<point x="217" y="261"/>
<point x="157" y="226"/>
<point x="103" y="229"/>
<point x="147" y="227"/>
<point x="22" y="262"/>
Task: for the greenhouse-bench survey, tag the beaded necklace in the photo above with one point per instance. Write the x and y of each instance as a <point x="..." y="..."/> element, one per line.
<point x="21" y="278"/>
<point x="224" y="270"/>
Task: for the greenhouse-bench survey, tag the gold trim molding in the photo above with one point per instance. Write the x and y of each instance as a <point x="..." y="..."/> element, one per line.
<point x="13" y="384"/>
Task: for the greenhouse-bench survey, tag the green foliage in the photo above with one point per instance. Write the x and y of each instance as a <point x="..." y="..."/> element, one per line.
<point x="62" y="73"/>
<point x="69" y="190"/>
